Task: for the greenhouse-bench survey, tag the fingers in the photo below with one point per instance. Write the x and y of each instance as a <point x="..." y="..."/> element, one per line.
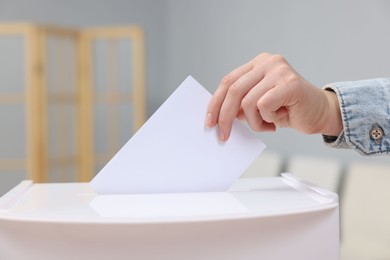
<point x="249" y="104"/>
<point x="258" y="92"/>
<point x="220" y="94"/>
<point x="222" y="90"/>
<point x="232" y="103"/>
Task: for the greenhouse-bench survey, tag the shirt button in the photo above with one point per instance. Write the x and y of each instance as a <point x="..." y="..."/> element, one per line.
<point x="376" y="134"/>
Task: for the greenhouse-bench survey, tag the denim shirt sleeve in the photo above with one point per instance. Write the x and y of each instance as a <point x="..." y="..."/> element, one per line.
<point x="364" y="105"/>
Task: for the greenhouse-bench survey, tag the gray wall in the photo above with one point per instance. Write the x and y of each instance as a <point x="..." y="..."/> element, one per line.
<point x="326" y="41"/>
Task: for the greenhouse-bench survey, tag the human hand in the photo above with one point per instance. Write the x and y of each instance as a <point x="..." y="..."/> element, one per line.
<point x="268" y="93"/>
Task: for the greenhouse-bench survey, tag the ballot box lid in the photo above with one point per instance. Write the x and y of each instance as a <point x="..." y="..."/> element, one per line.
<point x="247" y="198"/>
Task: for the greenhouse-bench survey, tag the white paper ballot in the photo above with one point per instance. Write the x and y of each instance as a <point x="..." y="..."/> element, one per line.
<point x="173" y="152"/>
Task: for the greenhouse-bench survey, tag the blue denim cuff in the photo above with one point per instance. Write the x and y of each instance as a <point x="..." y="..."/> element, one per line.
<point x="336" y="141"/>
<point x="365" y="107"/>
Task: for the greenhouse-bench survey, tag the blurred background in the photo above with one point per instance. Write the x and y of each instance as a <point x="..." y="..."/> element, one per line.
<point x="77" y="78"/>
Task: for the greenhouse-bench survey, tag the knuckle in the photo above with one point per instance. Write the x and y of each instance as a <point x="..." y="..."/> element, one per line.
<point x="226" y="80"/>
<point x="289" y="76"/>
<point x="261" y="105"/>
<point x="234" y="90"/>
<point x="277" y="58"/>
<point x="292" y="79"/>
<point x="286" y="75"/>
<point x="246" y="103"/>
<point x="284" y="69"/>
<point x="264" y="55"/>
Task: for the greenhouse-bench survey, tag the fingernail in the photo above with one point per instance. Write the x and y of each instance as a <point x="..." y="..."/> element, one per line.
<point x="209" y="120"/>
<point x="221" y="135"/>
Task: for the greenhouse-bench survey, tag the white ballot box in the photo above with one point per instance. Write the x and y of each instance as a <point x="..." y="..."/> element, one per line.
<point x="261" y="218"/>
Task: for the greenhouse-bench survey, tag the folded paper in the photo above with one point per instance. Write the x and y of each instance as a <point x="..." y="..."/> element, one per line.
<point x="173" y="152"/>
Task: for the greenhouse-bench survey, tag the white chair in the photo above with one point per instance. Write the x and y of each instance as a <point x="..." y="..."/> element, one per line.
<point x="365" y="213"/>
<point x="323" y="172"/>
<point x="268" y="164"/>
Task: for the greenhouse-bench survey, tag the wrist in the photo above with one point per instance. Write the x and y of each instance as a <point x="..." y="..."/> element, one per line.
<point x="333" y="124"/>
